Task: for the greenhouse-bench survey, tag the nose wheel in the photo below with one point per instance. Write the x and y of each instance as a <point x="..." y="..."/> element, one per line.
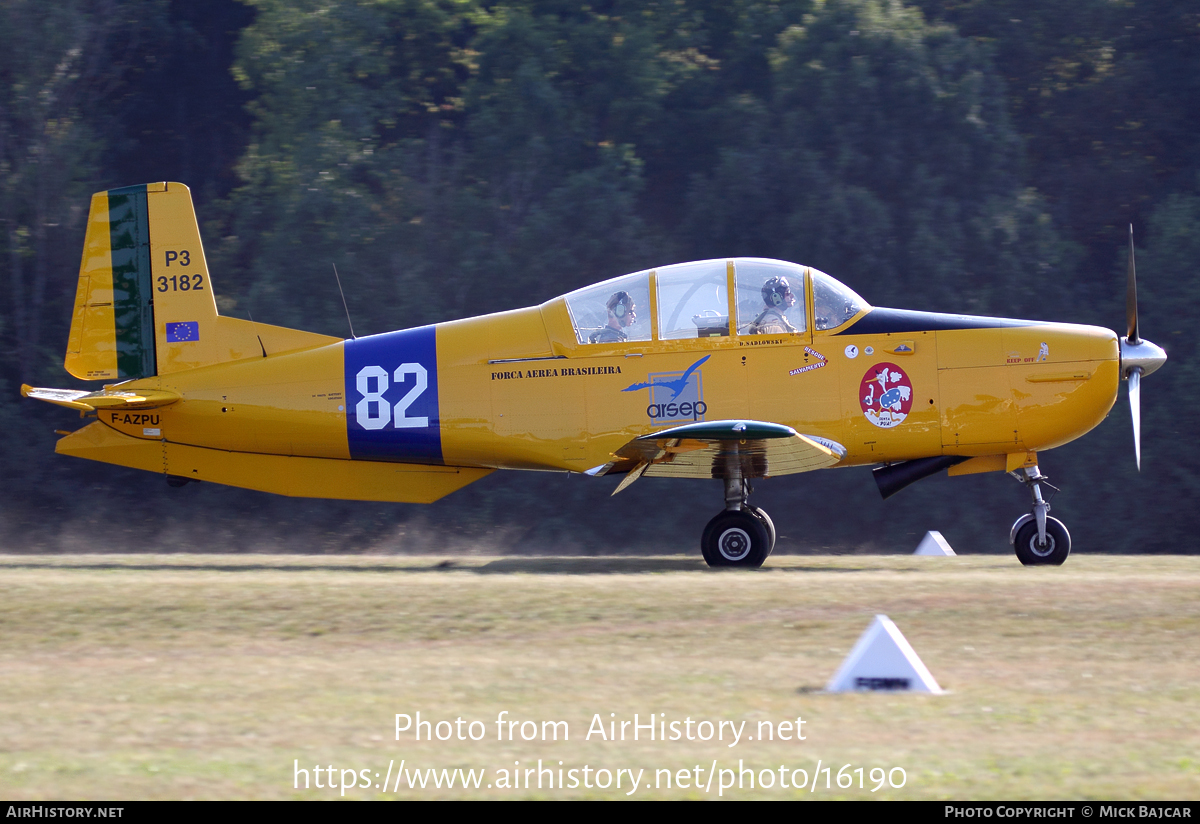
<point x="1036" y="537"/>
<point x="1031" y="549"/>
<point x="742" y="535"/>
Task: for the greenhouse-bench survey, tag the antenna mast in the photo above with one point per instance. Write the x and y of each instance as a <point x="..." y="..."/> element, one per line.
<point x="255" y="325"/>
<point x="344" y="306"/>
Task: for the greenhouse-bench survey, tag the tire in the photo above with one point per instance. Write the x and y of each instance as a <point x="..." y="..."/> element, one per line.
<point x="735" y="539"/>
<point x="767" y="522"/>
<point x="1056" y="550"/>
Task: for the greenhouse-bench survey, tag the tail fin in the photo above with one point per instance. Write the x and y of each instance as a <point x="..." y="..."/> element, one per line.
<point x="145" y="304"/>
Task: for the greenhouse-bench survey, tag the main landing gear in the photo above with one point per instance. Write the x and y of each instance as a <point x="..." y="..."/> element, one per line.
<point x="1037" y="538"/>
<point x="742" y="535"/>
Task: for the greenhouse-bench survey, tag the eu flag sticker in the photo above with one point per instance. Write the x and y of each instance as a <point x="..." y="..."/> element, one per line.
<point x="179" y="332"/>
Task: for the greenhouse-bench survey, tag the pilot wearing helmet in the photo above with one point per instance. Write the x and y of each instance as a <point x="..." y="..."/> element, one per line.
<point x="778" y="296"/>
<point x="621" y="314"/>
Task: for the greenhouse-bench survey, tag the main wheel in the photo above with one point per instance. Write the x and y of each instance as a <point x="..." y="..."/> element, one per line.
<point x="1054" y="551"/>
<point x="767" y="522"/>
<point x="735" y="538"/>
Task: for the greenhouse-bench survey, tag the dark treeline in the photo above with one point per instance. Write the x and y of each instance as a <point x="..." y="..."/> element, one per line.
<point x="456" y="157"/>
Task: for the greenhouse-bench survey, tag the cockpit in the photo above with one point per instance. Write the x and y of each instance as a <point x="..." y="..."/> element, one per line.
<point x="699" y="299"/>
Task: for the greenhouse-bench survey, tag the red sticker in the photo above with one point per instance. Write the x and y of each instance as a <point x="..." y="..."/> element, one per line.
<point x="885" y="395"/>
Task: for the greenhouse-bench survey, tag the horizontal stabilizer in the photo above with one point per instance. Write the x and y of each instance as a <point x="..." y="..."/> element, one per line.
<point x="720" y="449"/>
<point x="104" y="399"/>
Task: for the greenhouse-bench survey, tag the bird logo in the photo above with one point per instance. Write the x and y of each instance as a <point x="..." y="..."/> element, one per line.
<point x="676" y="385"/>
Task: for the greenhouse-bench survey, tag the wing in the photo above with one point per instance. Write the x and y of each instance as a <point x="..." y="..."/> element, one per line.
<point x="719" y="449"/>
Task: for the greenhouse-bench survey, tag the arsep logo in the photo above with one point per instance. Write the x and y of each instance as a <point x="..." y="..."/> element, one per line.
<point x="675" y="397"/>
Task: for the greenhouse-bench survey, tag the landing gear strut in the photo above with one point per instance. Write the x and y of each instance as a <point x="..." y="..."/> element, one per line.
<point x="742" y="535"/>
<point x="1036" y="537"/>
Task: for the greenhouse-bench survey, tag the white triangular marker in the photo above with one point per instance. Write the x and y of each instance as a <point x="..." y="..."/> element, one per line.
<point x="883" y="660"/>
<point x="933" y="544"/>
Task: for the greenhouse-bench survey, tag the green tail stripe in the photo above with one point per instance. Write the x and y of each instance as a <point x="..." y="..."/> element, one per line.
<point x="133" y="310"/>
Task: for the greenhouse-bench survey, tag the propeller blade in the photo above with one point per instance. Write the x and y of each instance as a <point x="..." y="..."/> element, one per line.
<point x="1135" y="407"/>
<point x="1131" y="319"/>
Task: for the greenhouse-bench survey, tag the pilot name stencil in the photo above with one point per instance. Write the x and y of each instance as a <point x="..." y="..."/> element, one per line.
<point x="885" y="395"/>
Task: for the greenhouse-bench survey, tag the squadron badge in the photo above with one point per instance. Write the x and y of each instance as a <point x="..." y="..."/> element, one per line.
<point x="885" y="395"/>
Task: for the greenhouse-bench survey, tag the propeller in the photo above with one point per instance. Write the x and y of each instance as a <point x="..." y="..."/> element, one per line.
<point x="1131" y="296"/>
<point x="1138" y="357"/>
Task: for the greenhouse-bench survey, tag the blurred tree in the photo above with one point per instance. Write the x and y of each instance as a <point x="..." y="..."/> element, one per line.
<point x="346" y="95"/>
<point x="62" y="66"/>
<point x="54" y="74"/>
<point x="1150" y="510"/>
<point x="1168" y="294"/>
<point x="180" y="114"/>
<point x="713" y="57"/>
<point x="1107" y="96"/>
<point x="555" y="112"/>
<point x="885" y="156"/>
<point x="454" y="161"/>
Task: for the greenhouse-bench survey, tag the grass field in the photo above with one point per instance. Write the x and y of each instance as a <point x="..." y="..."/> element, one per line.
<point x="183" y="676"/>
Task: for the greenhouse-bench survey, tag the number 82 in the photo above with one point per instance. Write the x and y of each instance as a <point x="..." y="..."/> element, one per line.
<point x="383" y="409"/>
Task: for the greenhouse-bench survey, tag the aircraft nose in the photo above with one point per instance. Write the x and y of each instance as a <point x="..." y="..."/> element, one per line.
<point x="1140" y="354"/>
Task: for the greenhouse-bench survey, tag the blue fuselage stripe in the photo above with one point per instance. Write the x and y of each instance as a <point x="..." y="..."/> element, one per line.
<point x="392" y="411"/>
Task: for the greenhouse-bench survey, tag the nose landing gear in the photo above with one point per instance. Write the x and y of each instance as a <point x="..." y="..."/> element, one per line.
<point x="742" y="535"/>
<point x="1036" y="537"/>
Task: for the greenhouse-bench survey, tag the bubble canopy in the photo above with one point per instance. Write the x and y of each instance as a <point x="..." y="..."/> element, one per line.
<point x="692" y="300"/>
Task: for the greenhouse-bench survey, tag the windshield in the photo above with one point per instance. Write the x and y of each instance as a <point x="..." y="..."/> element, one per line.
<point x="833" y="303"/>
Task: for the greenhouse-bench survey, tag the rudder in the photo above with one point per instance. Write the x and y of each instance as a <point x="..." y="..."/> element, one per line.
<point x="112" y="328"/>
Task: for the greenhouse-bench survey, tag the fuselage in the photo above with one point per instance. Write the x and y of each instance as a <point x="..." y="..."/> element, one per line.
<point x="518" y="390"/>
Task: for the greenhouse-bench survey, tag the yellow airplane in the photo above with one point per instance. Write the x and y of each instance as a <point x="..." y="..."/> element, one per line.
<point x="731" y="369"/>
